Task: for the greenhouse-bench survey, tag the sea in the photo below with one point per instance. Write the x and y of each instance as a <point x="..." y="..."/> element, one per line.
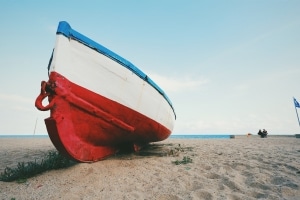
<point x="195" y="136"/>
<point x="175" y="136"/>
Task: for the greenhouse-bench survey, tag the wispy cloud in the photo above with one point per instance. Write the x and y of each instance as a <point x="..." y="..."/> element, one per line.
<point x="175" y="84"/>
<point x="14" y="98"/>
<point x="247" y="43"/>
<point x="285" y="76"/>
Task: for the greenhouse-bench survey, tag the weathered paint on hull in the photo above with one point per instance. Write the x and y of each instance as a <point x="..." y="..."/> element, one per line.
<point x="89" y="127"/>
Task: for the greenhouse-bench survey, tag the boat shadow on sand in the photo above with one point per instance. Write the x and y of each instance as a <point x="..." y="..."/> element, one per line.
<point x="153" y="150"/>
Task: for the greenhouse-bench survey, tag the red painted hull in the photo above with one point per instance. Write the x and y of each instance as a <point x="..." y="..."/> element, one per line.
<point x="88" y="127"/>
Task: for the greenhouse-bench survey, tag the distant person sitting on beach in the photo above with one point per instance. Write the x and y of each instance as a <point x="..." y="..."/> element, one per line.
<point x="259" y="132"/>
<point x="264" y="133"/>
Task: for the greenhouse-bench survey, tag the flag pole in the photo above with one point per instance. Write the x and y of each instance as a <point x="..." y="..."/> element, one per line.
<point x="296" y="111"/>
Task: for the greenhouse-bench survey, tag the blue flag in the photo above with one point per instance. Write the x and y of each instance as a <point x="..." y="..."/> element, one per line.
<point x="297" y="105"/>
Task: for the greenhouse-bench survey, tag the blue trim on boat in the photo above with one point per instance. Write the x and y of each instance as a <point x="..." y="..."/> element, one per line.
<point x="65" y="29"/>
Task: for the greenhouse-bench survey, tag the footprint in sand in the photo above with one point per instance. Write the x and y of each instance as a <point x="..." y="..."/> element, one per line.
<point x="167" y="197"/>
<point x="202" y="194"/>
<point x="212" y="176"/>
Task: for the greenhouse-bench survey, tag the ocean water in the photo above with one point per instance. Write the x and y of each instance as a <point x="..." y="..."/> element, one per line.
<point x="177" y="136"/>
<point x="195" y="136"/>
<point x="24" y="136"/>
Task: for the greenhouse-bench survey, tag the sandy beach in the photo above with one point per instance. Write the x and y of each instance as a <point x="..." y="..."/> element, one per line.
<point x="240" y="168"/>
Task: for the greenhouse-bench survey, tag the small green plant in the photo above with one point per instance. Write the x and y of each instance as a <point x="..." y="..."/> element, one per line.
<point x="185" y="160"/>
<point x="54" y="160"/>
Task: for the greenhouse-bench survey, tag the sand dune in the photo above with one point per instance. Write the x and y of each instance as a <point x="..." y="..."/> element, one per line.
<point x="240" y="168"/>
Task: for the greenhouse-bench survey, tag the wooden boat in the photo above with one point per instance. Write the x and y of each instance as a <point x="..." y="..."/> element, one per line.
<point x="99" y="102"/>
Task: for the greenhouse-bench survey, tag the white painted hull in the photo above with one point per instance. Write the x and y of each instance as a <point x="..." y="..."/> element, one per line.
<point x="98" y="73"/>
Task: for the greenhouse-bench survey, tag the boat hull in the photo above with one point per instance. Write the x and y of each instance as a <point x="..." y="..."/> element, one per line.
<point x="99" y="102"/>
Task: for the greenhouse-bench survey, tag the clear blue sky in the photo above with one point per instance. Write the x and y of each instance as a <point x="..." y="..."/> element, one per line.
<point x="228" y="66"/>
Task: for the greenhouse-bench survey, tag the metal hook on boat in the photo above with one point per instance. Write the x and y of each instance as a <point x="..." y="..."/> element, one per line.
<point x="41" y="97"/>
